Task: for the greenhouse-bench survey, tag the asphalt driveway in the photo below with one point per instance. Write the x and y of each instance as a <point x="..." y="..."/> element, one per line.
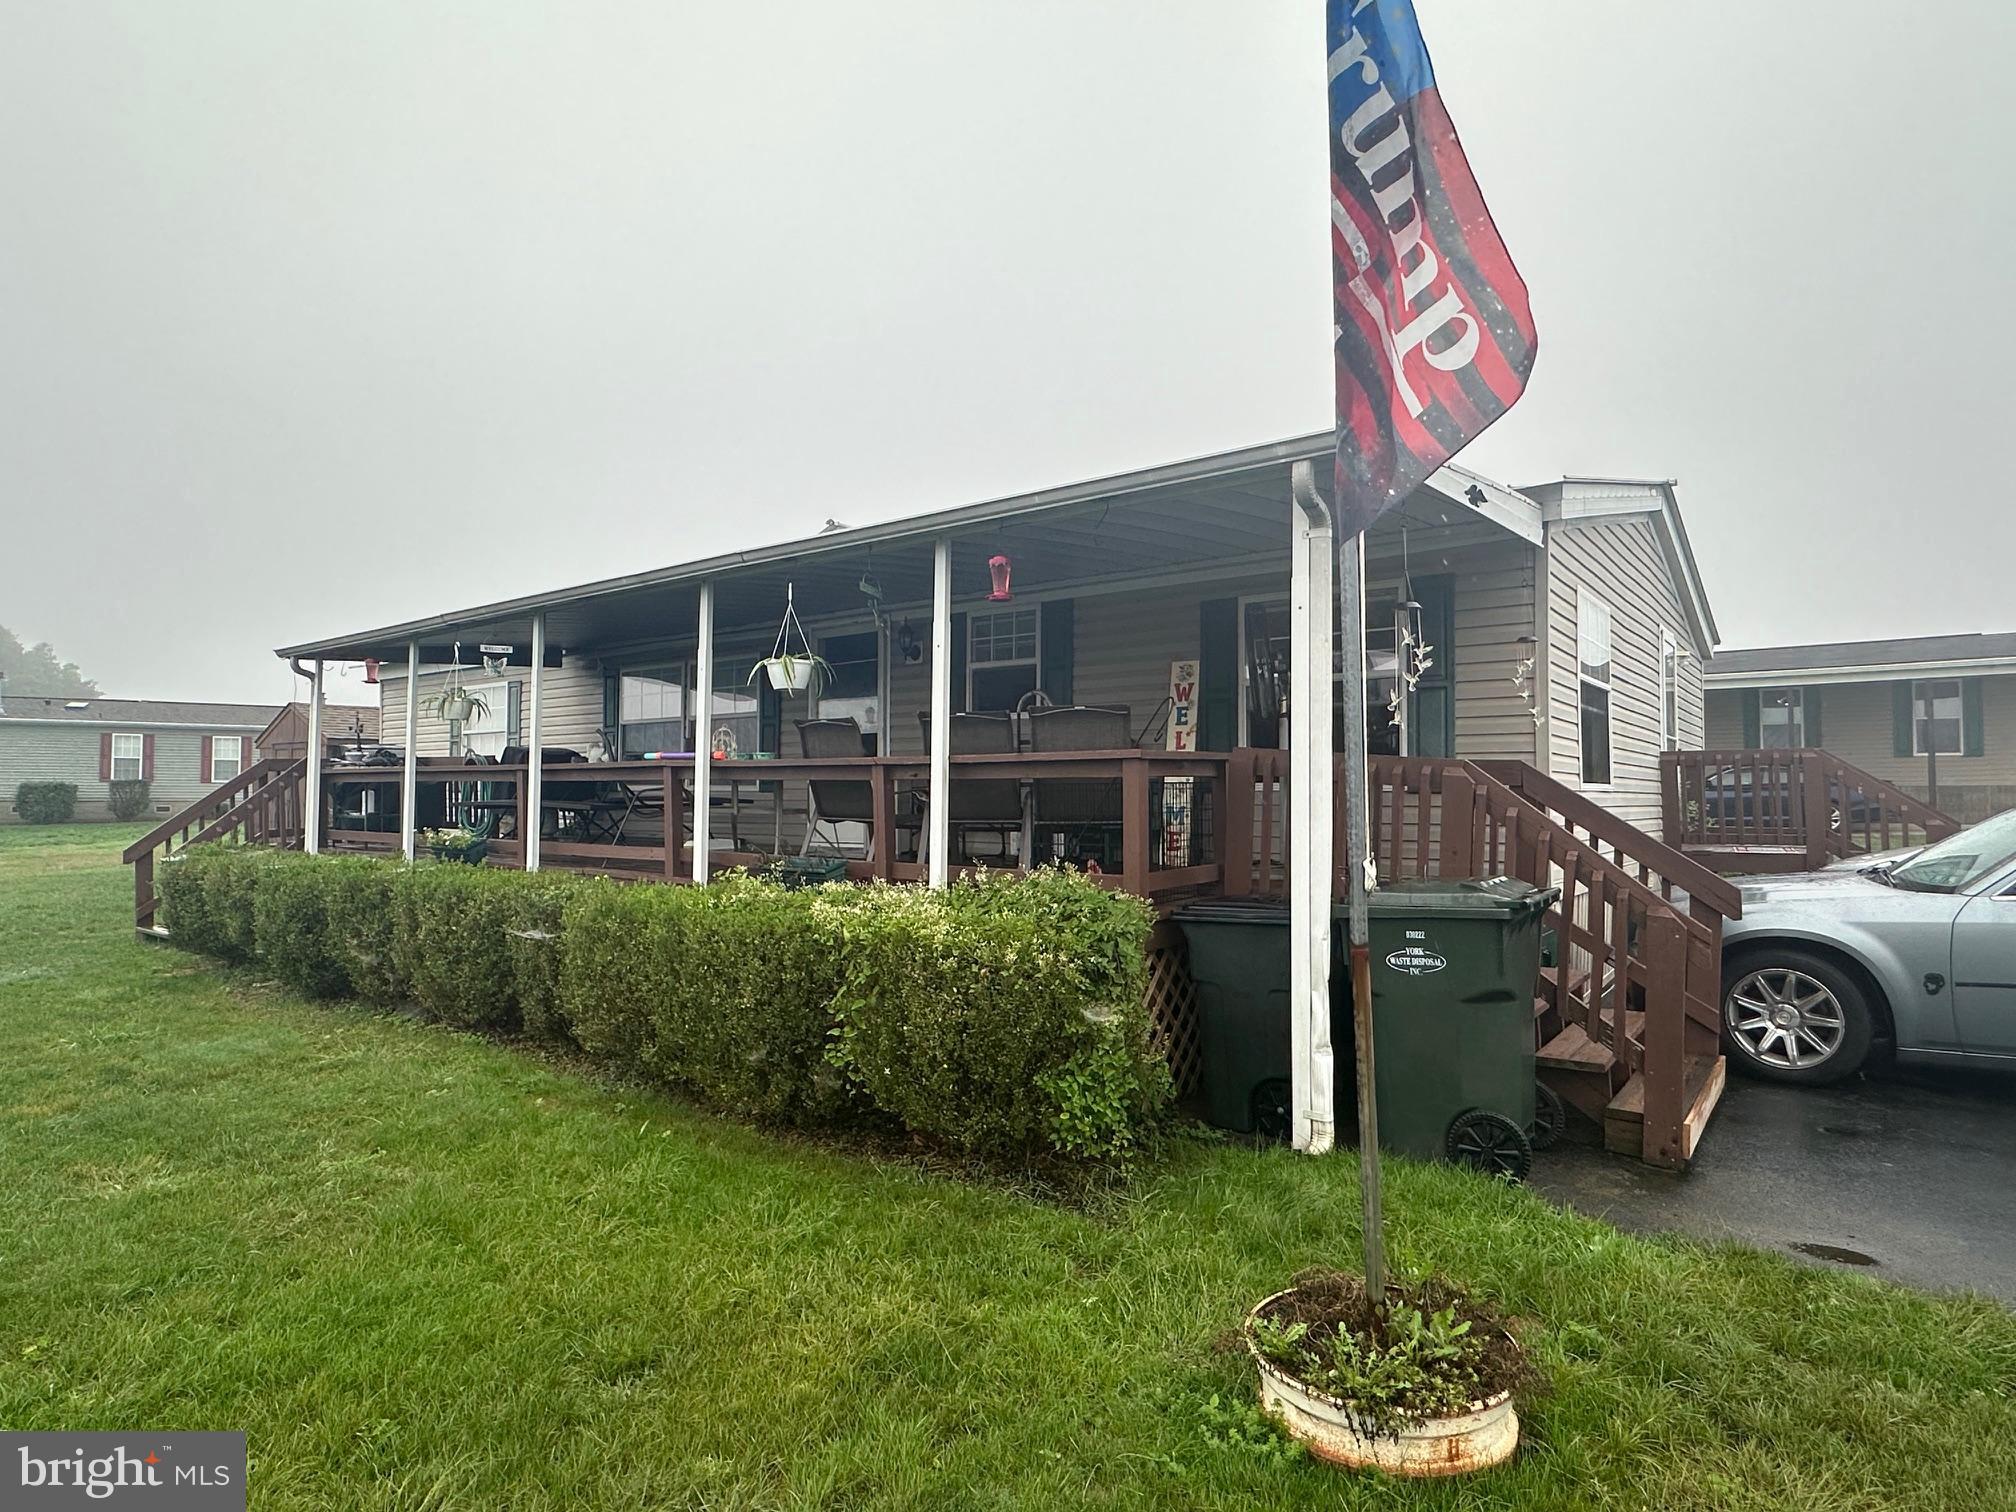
<point x="1909" y="1173"/>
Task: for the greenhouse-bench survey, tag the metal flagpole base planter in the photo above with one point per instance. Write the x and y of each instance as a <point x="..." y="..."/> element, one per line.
<point x="1338" y="1433"/>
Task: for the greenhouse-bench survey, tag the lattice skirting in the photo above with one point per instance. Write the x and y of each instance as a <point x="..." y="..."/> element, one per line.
<point x="1172" y="1008"/>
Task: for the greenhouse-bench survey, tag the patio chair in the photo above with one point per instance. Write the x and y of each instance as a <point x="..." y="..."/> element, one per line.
<point x="833" y="800"/>
<point x="1078" y="803"/>
<point x="993" y="803"/>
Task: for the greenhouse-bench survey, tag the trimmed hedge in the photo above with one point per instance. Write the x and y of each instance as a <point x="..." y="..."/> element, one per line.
<point x="46" y="802"/>
<point x="1001" y="1018"/>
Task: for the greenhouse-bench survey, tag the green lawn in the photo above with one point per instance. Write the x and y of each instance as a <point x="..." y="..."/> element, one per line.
<point x="422" y="1270"/>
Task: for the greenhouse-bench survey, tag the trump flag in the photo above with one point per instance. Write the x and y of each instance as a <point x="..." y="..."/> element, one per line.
<point x="1434" y="335"/>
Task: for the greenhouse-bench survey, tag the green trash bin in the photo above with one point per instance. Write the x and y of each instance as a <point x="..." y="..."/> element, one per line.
<point x="1454" y="968"/>
<point x="1239" y="964"/>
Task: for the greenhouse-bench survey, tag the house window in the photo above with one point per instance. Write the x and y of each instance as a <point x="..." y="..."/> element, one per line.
<point x="850" y="693"/>
<point x="1781" y="719"/>
<point x="652" y="713"/>
<point x="1935" y="717"/>
<point x="127" y="757"/>
<point x="1000" y="658"/>
<point x="1592" y="637"/>
<point x="735" y="715"/>
<point x="227" y="757"/>
<point x="1669" y="691"/>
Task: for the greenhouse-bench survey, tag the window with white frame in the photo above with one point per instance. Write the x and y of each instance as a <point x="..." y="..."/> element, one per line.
<point x="227" y="757"/>
<point x="1001" y="652"/>
<point x="1592" y="640"/>
<point x="1781" y="719"/>
<point x="128" y="757"/>
<point x="1935" y="717"/>
<point x="652" y="712"/>
<point x="1669" y="691"/>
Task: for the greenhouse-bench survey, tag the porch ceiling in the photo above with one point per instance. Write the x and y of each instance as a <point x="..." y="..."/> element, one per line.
<point x="1218" y="511"/>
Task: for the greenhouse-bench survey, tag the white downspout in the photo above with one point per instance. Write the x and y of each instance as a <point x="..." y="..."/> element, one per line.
<point x="1310" y="753"/>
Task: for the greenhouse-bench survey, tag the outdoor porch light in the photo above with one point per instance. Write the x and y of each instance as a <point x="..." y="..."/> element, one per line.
<point x="998" y="567"/>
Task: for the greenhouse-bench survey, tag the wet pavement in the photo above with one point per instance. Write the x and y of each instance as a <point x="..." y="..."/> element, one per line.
<point x="1909" y="1174"/>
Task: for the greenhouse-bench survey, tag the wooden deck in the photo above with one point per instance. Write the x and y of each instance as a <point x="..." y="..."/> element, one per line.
<point x="1740" y="812"/>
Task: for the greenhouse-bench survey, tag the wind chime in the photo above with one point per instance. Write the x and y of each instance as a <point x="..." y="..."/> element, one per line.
<point x="1413" y="653"/>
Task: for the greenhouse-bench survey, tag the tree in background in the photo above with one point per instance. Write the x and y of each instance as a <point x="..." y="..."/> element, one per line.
<point x="35" y="669"/>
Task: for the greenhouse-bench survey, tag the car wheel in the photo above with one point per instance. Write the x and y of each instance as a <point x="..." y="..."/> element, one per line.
<point x="1791" y="1016"/>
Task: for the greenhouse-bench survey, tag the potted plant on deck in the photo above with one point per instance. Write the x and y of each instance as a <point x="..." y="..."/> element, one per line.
<point x="792" y="671"/>
<point x="1420" y="1385"/>
<point x="455" y="845"/>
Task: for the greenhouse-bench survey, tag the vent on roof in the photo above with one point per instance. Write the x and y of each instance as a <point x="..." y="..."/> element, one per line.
<point x="78" y="703"/>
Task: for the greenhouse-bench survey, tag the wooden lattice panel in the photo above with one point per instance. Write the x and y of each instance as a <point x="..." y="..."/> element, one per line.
<point x="1172" y="1010"/>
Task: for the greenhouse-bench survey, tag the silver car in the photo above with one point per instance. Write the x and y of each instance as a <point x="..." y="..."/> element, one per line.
<point x="1916" y="950"/>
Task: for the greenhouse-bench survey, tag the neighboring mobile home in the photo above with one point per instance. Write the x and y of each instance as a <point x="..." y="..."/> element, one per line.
<point x="1922" y="712"/>
<point x="180" y="750"/>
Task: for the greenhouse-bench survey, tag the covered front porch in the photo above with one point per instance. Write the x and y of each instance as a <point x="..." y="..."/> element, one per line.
<point x="1063" y="676"/>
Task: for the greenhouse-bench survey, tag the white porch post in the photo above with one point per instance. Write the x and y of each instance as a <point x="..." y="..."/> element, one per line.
<point x="1310" y="749"/>
<point x="311" y="801"/>
<point x="938" y="814"/>
<point x="409" y="775"/>
<point x="535" y="767"/>
<point x="703" y="753"/>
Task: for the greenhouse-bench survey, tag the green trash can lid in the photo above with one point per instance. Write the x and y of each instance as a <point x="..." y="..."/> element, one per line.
<point x="1461" y="896"/>
<point x="1261" y="911"/>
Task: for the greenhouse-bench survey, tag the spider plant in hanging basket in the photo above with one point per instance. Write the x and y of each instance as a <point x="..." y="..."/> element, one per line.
<point x="456" y="704"/>
<point x="792" y="671"/>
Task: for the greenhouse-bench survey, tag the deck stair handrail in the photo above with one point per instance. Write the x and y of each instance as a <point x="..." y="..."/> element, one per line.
<point x="1787" y="809"/>
<point x="262" y="804"/>
<point x="1632" y="997"/>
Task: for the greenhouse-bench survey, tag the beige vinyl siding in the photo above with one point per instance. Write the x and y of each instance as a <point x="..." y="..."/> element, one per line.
<point x="1618" y="560"/>
<point x="571" y="718"/>
<point x="1494" y="606"/>
<point x="1725" y="720"/>
<point x="69" y="753"/>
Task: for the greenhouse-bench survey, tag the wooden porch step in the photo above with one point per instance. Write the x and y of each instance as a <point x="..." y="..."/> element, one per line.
<point x="1704" y="1077"/>
<point x="1573" y="1050"/>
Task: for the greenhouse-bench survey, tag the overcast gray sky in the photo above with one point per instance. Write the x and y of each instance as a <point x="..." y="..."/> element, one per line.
<point x="316" y="316"/>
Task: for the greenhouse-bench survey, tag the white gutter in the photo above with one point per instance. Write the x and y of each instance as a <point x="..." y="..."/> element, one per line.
<point x="1781" y="677"/>
<point x="120" y="726"/>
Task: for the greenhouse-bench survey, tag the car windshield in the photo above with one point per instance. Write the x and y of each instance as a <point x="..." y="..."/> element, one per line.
<point x="1961" y="860"/>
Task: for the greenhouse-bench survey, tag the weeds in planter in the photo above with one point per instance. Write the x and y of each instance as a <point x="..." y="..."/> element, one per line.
<point x="1429" y="1352"/>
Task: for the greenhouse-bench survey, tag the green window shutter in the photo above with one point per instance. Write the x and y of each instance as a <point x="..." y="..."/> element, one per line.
<point x="1753" y="718"/>
<point x="1973" y="739"/>
<point x="1053" y="675"/>
<point x="769" y="717"/>
<point x="1432" y="717"/>
<point x="1217" y="674"/>
<point x="1900" y="718"/>
<point x="1811" y="698"/>
<point x="612" y="708"/>
<point x="958" y="663"/>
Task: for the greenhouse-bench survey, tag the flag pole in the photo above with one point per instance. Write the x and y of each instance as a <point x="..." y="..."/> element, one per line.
<point x="1358" y="874"/>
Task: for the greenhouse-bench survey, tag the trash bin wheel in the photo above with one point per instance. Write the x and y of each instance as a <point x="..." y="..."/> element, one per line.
<point x="1550" y="1117"/>
<point x="1273" y="1111"/>
<point x="1491" y="1143"/>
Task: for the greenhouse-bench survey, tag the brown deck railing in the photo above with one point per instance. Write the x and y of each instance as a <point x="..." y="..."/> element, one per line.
<point x="262" y="805"/>
<point x="648" y="805"/>
<point x="1634" y="974"/>
<point x="1788" y="809"/>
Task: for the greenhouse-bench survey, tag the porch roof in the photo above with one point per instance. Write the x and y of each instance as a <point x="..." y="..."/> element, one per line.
<point x="1220" y="509"/>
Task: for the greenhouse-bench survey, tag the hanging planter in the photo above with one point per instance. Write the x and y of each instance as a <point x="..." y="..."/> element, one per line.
<point x="789" y="670"/>
<point x="1422" y="1386"/>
